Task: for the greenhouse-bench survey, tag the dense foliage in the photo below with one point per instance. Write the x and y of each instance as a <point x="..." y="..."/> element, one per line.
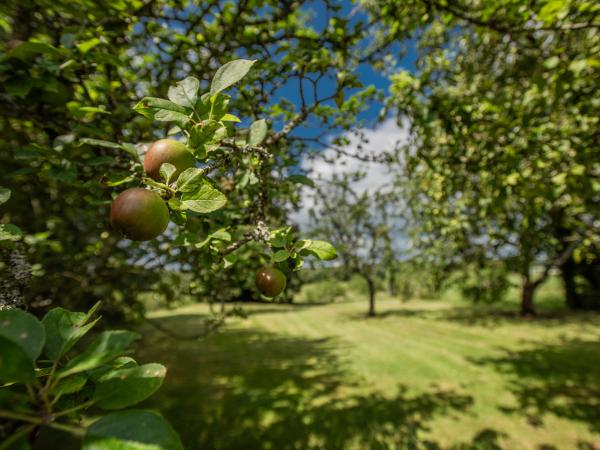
<point x="71" y="74"/>
<point x="504" y="162"/>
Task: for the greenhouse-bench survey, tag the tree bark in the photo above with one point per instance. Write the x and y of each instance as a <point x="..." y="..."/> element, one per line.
<point x="527" y="307"/>
<point x="392" y="285"/>
<point x="573" y="299"/>
<point x="371" y="285"/>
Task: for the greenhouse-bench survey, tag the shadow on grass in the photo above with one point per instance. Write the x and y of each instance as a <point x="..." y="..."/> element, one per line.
<point x="562" y="379"/>
<point x="424" y="313"/>
<point x="487" y="316"/>
<point x="493" y="316"/>
<point x="255" y="390"/>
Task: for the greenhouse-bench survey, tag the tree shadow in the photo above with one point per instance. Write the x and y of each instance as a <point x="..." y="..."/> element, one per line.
<point x="280" y="308"/>
<point x="489" y="316"/>
<point x="561" y="379"/>
<point x="493" y="316"/>
<point x="250" y="390"/>
<point x="389" y="313"/>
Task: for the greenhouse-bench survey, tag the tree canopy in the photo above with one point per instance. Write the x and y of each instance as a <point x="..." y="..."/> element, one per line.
<point x="504" y="158"/>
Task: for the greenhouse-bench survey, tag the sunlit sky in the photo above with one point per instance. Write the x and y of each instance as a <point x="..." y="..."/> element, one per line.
<point x="368" y="76"/>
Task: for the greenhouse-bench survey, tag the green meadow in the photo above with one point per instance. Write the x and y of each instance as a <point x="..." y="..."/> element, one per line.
<point x="423" y="374"/>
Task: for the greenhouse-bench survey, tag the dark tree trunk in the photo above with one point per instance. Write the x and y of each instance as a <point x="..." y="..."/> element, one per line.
<point x="568" y="271"/>
<point x="527" y="308"/>
<point x="371" y="286"/>
<point x="392" y="288"/>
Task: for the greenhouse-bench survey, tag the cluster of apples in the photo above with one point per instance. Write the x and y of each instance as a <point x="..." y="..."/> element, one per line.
<point x="141" y="215"/>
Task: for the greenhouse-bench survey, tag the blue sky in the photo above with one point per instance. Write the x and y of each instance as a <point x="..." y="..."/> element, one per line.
<point x="368" y="76"/>
<point x="318" y="19"/>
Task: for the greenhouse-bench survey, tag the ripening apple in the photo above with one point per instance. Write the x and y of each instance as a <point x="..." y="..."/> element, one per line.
<point x="139" y="214"/>
<point x="167" y="151"/>
<point x="270" y="281"/>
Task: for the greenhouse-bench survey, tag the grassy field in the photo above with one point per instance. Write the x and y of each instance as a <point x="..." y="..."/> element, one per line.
<point x="423" y="374"/>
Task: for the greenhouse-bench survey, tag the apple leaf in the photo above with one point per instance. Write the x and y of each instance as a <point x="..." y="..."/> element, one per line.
<point x="229" y="74"/>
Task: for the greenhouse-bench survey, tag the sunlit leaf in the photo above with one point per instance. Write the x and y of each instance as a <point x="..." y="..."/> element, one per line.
<point x="229" y="74"/>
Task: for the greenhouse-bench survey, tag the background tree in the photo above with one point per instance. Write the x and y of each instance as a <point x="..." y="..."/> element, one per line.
<point x="504" y="161"/>
<point x="361" y="226"/>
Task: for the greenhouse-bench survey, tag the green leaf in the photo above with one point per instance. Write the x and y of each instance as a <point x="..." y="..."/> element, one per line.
<point x="24" y="330"/>
<point x="99" y="143"/>
<point x="229" y="74"/>
<point x="15" y="364"/>
<point x="166" y="171"/>
<point x="219" y="104"/>
<point x="132" y="150"/>
<point x="117" y="178"/>
<point x="174" y="204"/>
<point x="131" y="430"/>
<point x="280" y="255"/>
<point x="279" y="237"/>
<point x="122" y="362"/>
<point x="171" y="116"/>
<point x="551" y="62"/>
<point x="100" y="161"/>
<point x="257" y="132"/>
<point x="229" y="260"/>
<point x="4" y="195"/>
<point x="322" y="250"/>
<point x="221" y="234"/>
<point x="190" y="180"/>
<point x="302" y="244"/>
<point x="161" y="109"/>
<point x="106" y="347"/>
<point x="86" y="46"/>
<point x="179" y="217"/>
<point x="64" y="328"/>
<point x="185" y="92"/>
<point x="93" y="110"/>
<point x="301" y="179"/>
<point x="10" y="232"/>
<point x="230" y="118"/>
<point x="551" y="10"/>
<point x="26" y="50"/>
<point x="125" y="387"/>
<point x="203" y="243"/>
<point x="210" y="132"/>
<point x="19" y="87"/>
<point x="71" y="384"/>
<point x="206" y="199"/>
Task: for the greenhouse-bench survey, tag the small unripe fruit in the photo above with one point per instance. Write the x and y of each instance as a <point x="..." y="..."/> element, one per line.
<point x="167" y="151"/>
<point x="139" y="214"/>
<point x="270" y="281"/>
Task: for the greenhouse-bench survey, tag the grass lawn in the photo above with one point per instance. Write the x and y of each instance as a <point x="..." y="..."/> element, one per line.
<point x="423" y="374"/>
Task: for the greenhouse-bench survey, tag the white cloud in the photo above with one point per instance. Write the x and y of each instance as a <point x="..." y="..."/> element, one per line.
<point x="383" y="137"/>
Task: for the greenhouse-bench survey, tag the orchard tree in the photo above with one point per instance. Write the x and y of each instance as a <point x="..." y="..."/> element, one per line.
<point x="505" y="155"/>
<point x="70" y="75"/>
<point x="361" y="225"/>
<point x="56" y="391"/>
